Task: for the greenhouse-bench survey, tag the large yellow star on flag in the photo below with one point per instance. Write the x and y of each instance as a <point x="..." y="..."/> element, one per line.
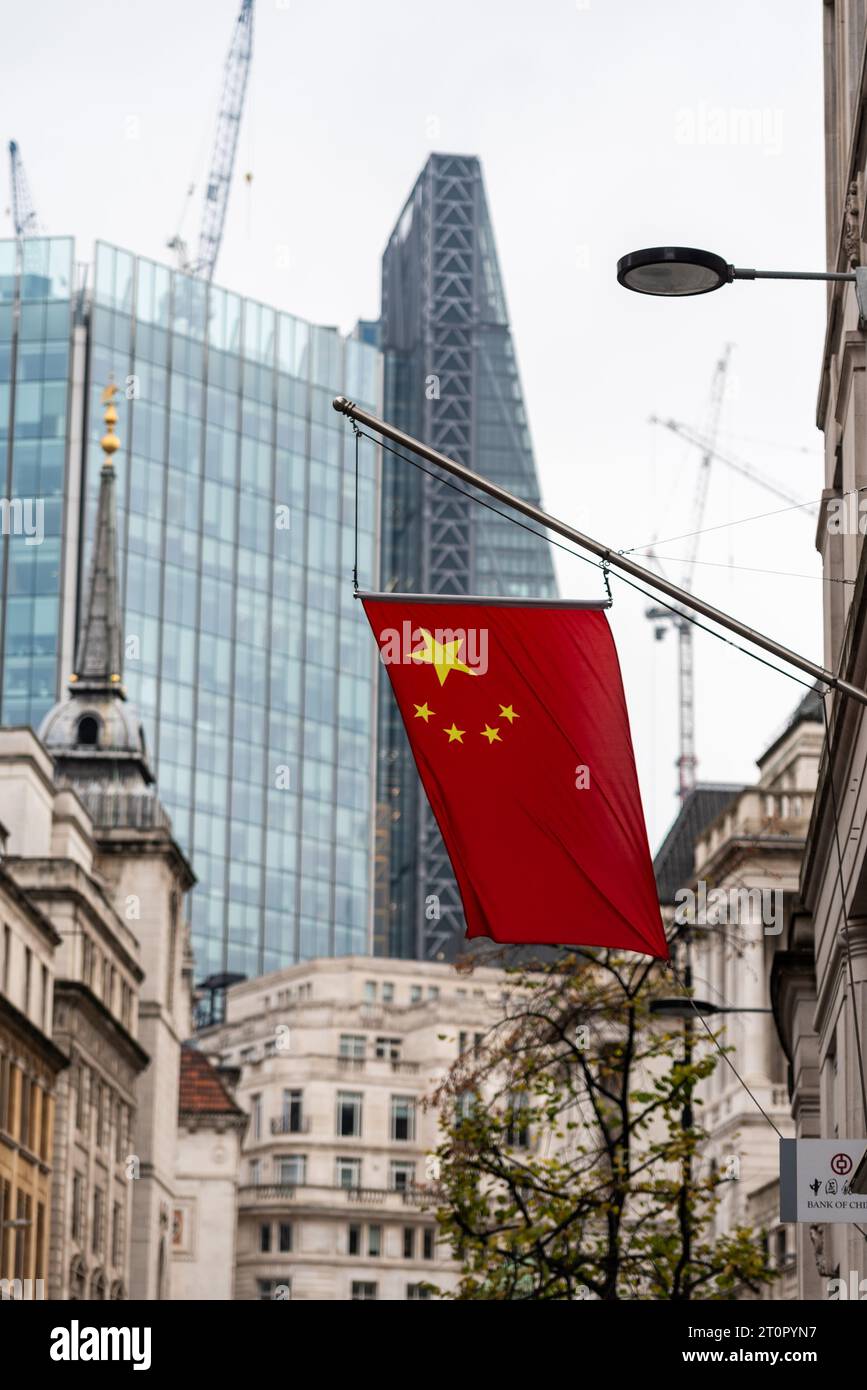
<point x="442" y="656"/>
<point x="455" y="734"/>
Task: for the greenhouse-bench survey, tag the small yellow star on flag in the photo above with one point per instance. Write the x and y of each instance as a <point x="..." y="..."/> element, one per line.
<point x="424" y="711"/>
<point x="442" y="656"/>
<point x="455" y="734"/>
<point x="492" y="735"/>
<point x="506" y="712"/>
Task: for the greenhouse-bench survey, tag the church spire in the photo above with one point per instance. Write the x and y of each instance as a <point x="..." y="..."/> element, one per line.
<point x="99" y="658"/>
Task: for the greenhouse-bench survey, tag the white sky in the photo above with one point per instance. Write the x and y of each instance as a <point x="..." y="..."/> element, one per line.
<point x="599" y="130"/>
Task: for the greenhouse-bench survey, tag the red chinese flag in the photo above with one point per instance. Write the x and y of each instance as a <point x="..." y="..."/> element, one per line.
<point x="517" y="721"/>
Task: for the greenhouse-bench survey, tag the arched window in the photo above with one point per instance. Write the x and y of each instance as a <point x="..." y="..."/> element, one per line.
<point x="88" y="730"/>
<point x="77" y="1279"/>
<point x="98" y="1285"/>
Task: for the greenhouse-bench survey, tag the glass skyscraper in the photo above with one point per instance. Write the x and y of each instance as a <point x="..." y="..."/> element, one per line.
<point x="251" y="665"/>
<point x="451" y="378"/>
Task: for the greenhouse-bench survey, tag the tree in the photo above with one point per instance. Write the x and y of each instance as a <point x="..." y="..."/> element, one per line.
<point x="569" y="1165"/>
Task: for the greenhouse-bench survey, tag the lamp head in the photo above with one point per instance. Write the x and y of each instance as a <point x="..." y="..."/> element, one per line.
<point x="673" y="271"/>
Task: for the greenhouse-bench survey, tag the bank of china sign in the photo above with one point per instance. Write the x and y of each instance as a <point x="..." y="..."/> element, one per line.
<point x="816" y="1180"/>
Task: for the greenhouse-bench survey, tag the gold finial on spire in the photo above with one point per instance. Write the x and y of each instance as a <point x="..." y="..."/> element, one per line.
<point x="109" y="442"/>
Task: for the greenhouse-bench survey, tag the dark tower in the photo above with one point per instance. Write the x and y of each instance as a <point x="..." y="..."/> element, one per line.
<point x="451" y="378"/>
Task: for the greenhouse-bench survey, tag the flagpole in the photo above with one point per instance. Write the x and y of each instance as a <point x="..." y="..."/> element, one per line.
<point x="610" y="557"/>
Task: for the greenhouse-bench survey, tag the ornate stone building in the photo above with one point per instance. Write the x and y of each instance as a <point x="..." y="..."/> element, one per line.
<point x="52" y="860"/>
<point x="336" y="1058"/>
<point x="820" y="985"/>
<point x="30" y="1064"/>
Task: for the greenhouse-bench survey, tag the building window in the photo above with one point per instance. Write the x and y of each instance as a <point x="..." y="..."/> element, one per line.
<point x="5" y="1217"/>
<point x="517" y="1129"/>
<point x="348" y="1172"/>
<point x="120" y="1134"/>
<point x="388" y="993"/>
<point x="352" y="1045"/>
<point x="81" y="1097"/>
<point x="44" y="1127"/>
<point x="87" y="730"/>
<point x="403" y="1118"/>
<point x="409" y="1242"/>
<point x="415" y="994"/>
<point x="388" y="1049"/>
<point x="292" y="1118"/>
<point x="401" y="1176"/>
<point x="5" y="1094"/>
<point x="87" y="961"/>
<point x="292" y="1170"/>
<point x="98" y="1217"/>
<point x="24" y="1112"/>
<point x="374" y="1242"/>
<point x="363" y="1292"/>
<point x="117" y="1235"/>
<point x="284" y="1238"/>
<point x="255" y="1172"/>
<point x="40" y="1240"/>
<point x="370" y="991"/>
<point x="256" y="1117"/>
<point x="77" y="1206"/>
<point x="265" y="1238"/>
<point x="28" y="974"/>
<point x="102" y="1099"/>
<point x="45" y="998"/>
<point x="7" y="958"/>
<point x="418" y="1291"/>
<point x="349" y="1114"/>
<point x="433" y="991"/>
<point x="427" y="1244"/>
<point x="353" y="1243"/>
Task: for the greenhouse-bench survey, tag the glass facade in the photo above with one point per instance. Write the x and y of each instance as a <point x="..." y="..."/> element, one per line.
<point x="36" y="315"/>
<point x="248" y="659"/>
<point x="451" y="378"/>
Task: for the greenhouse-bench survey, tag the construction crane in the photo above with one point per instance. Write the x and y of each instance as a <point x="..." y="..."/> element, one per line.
<point x="677" y="618"/>
<point x="219" y="182"/>
<point x="24" y="219"/>
<point x="744" y="469"/>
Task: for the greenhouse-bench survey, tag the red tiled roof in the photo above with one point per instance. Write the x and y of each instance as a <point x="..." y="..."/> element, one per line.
<point x="202" y="1090"/>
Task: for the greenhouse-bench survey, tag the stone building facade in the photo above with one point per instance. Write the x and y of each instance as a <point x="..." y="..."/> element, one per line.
<point x="752" y="853"/>
<point x="211" y="1126"/>
<point x="30" y="1066"/>
<point x="52" y="857"/>
<point x="336" y="1058"/>
<point x="820" y="987"/>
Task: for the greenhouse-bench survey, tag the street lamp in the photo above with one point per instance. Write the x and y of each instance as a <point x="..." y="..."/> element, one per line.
<point x="675" y="272"/>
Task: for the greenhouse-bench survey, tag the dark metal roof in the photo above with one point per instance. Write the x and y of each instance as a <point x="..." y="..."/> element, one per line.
<point x="675" y="858"/>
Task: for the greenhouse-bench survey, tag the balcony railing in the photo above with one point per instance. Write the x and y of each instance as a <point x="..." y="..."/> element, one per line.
<point x="325" y="1194"/>
<point x="283" y="1124"/>
<point x="395" y="1064"/>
